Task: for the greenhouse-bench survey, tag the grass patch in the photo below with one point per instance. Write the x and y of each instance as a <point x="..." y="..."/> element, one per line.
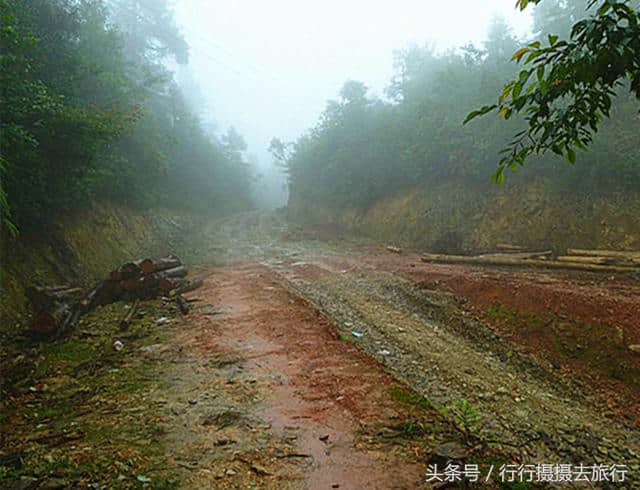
<point x="81" y="413"/>
<point x="409" y="398"/>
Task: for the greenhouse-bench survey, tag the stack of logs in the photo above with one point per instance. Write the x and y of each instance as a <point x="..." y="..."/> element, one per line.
<point x="575" y="259"/>
<point x="58" y="308"/>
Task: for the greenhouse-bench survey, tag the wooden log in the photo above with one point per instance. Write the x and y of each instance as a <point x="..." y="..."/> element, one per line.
<point x="149" y="266"/>
<point x="513" y="261"/>
<point x="77" y="311"/>
<point x="128" y="270"/>
<point x="169" y="283"/>
<point x="180" y="271"/>
<point x="604" y="253"/>
<point x="190" y="286"/>
<point x="48" y="321"/>
<point x="182" y="303"/>
<point x="102" y="294"/>
<point x="520" y="255"/>
<point x="586" y="259"/>
<point x="510" y="248"/>
<point x="58" y="287"/>
<point x="124" y="323"/>
<point x="133" y="284"/>
<point x="42" y="298"/>
<point x="395" y="250"/>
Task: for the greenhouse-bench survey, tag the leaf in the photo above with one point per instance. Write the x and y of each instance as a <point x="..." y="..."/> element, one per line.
<point x="517" y="88"/>
<point x="505" y="92"/>
<point x="479" y="112"/>
<point x="552" y="39"/>
<point x="604" y="9"/>
<point x="519" y="54"/>
<point x="571" y="156"/>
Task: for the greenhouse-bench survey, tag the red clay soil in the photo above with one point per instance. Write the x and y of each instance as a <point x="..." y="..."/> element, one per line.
<point x="323" y="387"/>
<point x="597" y="313"/>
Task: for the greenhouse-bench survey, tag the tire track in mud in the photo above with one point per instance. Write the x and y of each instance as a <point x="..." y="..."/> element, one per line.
<point x="424" y="339"/>
<point x="264" y="394"/>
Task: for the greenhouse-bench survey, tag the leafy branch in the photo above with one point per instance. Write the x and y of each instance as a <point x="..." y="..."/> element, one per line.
<point x="566" y="88"/>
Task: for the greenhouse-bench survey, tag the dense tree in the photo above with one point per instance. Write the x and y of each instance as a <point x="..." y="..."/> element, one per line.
<point x="566" y="88"/>
<point x="89" y="109"/>
<point x="363" y="149"/>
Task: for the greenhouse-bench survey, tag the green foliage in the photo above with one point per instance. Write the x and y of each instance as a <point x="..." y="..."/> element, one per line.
<point x="90" y="110"/>
<point x="566" y="88"/>
<point x="363" y="149"/>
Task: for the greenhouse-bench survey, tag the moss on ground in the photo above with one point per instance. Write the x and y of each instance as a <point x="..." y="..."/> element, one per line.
<point x="78" y="413"/>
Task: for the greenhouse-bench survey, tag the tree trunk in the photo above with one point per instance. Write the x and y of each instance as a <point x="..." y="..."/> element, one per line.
<point x="510" y="248"/>
<point x="48" y="321"/>
<point x="513" y="261"/>
<point x="180" y="271"/>
<point x="605" y="253"/>
<point x="586" y="259"/>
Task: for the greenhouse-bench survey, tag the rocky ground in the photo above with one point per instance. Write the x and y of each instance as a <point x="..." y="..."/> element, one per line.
<point x="315" y="360"/>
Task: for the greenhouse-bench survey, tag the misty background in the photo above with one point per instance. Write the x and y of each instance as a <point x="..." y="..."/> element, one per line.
<point x="269" y="68"/>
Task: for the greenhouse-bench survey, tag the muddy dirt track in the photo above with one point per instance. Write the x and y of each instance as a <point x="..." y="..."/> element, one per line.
<point x="316" y="343"/>
<point x="315" y="360"/>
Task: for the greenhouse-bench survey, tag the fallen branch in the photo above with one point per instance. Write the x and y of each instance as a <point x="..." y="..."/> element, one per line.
<point x="182" y="304"/>
<point x="190" y="286"/>
<point x="124" y="323"/>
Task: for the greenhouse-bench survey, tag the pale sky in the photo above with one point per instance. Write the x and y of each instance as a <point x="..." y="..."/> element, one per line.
<point x="268" y="67"/>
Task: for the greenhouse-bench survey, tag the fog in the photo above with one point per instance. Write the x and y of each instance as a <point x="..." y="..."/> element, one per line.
<point x="268" y="68"/>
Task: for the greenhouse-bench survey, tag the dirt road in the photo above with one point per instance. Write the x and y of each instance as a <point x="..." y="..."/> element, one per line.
<point x="312" y="360"/>
<point x="324" y="333"/>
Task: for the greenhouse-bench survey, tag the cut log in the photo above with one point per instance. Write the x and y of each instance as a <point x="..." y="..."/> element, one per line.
<point x="48" y="321"/>
<point x="586" y="259"/>
<point x="128" y="270"/>
<point x="180" y="271"/>
<point x="102" y="294"/>
<point x="190" y="286"/>
<point x="634" y="254"/>
<point x="395" y="250"/>
<point x="149" y="266"/>
<point x="124" y="323"/>
<point x="520" y="255"/>
<point x="183" y="305"/>
<point x="77" y="311"/>
<point x="505" y="259"/>
<point x="510" y="248"/>
<point x="167" y="284"/>
<point x="42" y="298"/>
<point x="133" y="284"/>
